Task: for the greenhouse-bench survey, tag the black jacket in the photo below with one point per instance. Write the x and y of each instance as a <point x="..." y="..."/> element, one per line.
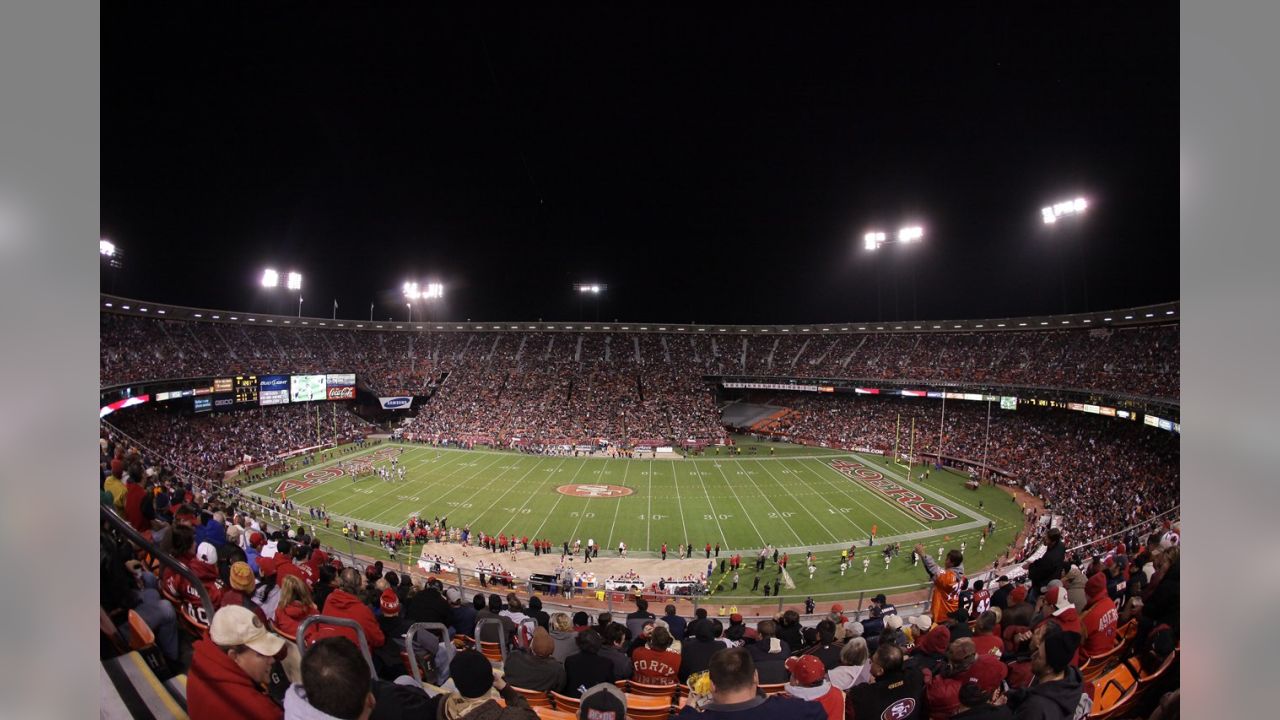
<point x="586" y="670"/>
<point x="695" y="656"/>
<point x="985" y="712"/>
<point x="1049" y="566"/>
<point x="1057" y="700"/>
<point x="790" y="634"/>
<point x="904" y="689"/>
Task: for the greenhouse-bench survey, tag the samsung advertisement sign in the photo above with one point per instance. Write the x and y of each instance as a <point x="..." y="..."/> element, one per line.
<point x="402" y="402"/>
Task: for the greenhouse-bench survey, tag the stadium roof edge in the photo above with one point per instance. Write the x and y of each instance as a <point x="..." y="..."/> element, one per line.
<point x="1144" y="315"/>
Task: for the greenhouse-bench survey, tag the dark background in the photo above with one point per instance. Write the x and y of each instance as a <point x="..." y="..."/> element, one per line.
<point x="709" y="165"/>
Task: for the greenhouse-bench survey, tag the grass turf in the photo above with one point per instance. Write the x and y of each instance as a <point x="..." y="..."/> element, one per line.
<point x="793" y="499"/>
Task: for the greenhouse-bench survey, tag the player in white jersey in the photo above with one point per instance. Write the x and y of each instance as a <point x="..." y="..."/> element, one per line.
<point x="866" y="563"/>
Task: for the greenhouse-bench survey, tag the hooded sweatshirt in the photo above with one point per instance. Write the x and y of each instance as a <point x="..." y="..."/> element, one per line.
<point x="289" y="617"/>
<point x="341" y="603"/>
<point x="1075" y="582"/>
<point x="217" y="688"/>
<point x="1098" y="625"/>
<point x="1054" y="700"/>
<point x="831" y="699"/>
<point x="931" y="651"/>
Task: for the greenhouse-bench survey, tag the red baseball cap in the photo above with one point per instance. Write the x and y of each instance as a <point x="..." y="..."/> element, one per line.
<point x="837" y="608"/>
<point x="806" y="669"/>
<point x="256" y="539"/>
<point x="988" y="672"/>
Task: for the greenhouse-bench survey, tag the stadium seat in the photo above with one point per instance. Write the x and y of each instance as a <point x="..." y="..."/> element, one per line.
<point x="493" y="651"/>
<point x="647" y="707"/>
<point x="636" y="688"/>
<point x="564" y="703"/>
<point x="535" y="698"/>
<point x="548" y="713"/>
<point x="1145" y="679"/>
<point x="129" y="689"/>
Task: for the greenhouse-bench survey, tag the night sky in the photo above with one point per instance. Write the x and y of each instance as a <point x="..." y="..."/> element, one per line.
<point x="711" y="165"/>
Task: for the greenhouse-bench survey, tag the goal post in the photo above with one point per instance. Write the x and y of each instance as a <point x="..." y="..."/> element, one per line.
<point x="897" y="443"/>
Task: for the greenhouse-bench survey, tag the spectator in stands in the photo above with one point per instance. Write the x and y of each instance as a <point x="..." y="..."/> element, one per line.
<point x="654" y="663"/>
<point x="897" y="691"/>
<point x="1160" y="603"/>
<point x="789" y="629"/>
<point x="562" y="634"/>
<point x="473" y="676"/>
<point x="462" y="615"/>
<point x="241" y="583"/>
<point x="536" y="668"/>
<point x="326" y="582"/>
<point x="893" y="633"/>
<point x="1058" y="688"/>
<point x="696" y="652"/>
<point x="335" y="684"/>
<point x="114" y="484"/>
<point x="943" y="689"/>
<point x="930" y="651"/>
<point x="675" y="623"/>
<point x="1000" y="597"/>
<point x="586" y="668"/>
<point x="854" y="668"/>
<point x="1050" y="565"/>
<point x="134" y="497"/>
<point x="125" y="585"/>
<point x="492" y="611"/>
<point x="827" y="649"/>
<point x="345" y="602"/>
<point x="295" y="606"/>
<point x="393" y="626"/>
<point x="1098" y="624"/>
<point x="640" y="617"/>
<point x="1055" y="604"/>
<point x="428" y="605"/>
<point x="230" y="668"/>
<point x="615" y="642"/>
<point x="1074" y="581"/>
<point x="986" y="635"/>
<point x="809" y="683"/>
<point x="536" y="612"/>
<point x="735" y="697"/>
<point x="945" y="581"/>
<point x="699" y="617"/>
<point x="982" y="688"/>
<point x="737" y="632"/>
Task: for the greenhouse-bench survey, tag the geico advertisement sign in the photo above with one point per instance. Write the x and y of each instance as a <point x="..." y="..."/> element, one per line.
<point x="342" y="393"/>
<point x="396" y="403"/>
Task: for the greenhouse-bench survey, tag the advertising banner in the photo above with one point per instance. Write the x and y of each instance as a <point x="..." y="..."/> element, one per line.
<point x="273" y="390"/>
<point x="401" y="402"/>
<point x="345" y="392"/>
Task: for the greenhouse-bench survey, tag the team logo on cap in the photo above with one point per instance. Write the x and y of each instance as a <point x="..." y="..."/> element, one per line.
<point x="595" y="491"/>
<point x="899" y="709"/>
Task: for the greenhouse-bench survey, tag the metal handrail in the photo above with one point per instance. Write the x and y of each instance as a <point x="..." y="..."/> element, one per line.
<point x="408" y="644"/>
<point x="340" y="622"/>
<point x="112" y="518"/>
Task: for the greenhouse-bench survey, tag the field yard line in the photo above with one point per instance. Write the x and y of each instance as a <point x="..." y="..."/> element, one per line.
<point x="532" y="495"/>
<point x="803" y="506"/>
<point x="648" y="523"/>
<point x="618" y="507"/>
<point x="679" y="503"/>
<point x="745" y="511"/>
<point x="327" y="486"/>
<point x="332" y="489"/>
<point x="559" y="497"/>
<point x="843" y="490"/>
<point x="715" y="515"/>
<point x="823" y="495"/>
<point x="415" y="485"/>
<point x="509" y="489"/>
<point x="396" y="486"/>
<point x="901" y="510"/>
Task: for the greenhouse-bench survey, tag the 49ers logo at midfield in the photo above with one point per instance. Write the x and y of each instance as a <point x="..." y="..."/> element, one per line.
<point x="892" y="490"/>
<point x="595" y="491"/>
<point x="312" y="478"/>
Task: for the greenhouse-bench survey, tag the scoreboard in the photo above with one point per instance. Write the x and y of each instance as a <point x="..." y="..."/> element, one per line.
<point x="246" y="389"/>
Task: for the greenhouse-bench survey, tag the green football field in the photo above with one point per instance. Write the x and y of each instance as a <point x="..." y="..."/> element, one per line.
<point x="796" y="499"/>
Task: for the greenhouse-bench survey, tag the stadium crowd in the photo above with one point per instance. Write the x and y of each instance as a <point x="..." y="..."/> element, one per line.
<point x="1099" y="473"/>
<point x="207" y="445"/>
<point x="637" y="367"/>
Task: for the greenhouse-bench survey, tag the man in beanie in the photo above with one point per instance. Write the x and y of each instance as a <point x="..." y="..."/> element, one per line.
<point x="984" y="685"/>
<point x="1057" y="693"/>
<point x="230" y="669"/>
<point x="1098" y="625"/>
<point x="241" y="583"/>
<point x="735" y="696"/>
<point x="535" y="669"/>
<point x="603" y="702"/>
<point x="930" y="652"/>
<point x="1056" y="604"/>
<point x="809" y="683"/>
<point x="943" y="690"/>
<point x="473" y="677"/>
<point x="897" y="692"/>
<point x="393" y="627"/>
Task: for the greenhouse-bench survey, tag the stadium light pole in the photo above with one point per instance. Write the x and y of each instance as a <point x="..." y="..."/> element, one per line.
<point x="1051" y="216"/>
<point x="592" y="290"/>
<point x="906" y="235"/>
<point x="294" y="283"/>
<point x="111" y="256"/>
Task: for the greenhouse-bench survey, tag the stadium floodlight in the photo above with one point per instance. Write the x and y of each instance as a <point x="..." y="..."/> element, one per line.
<point x="106" y="248"/>
<point x="411" y="291"/>
<point x="873" y="240"/>
<point x="435" y="291"/>
<point x="295" y="281"/>
<point x="590" y="288"/>
<point x="910" y="234"/>
<point x="270" y="278"/>
<point x="1052" y="213"/>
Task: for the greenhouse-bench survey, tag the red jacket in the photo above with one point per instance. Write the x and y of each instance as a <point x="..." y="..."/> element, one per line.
<point x="289" y="617"/>
<point x="285" y="567"/>
<point x="1099" y="626"/>
<point x="217" y="688"/>
<point x="345" y="605"/>
<point x="133" y="496"/>
<point x="988" y="644"/>
<point x="943" y="696"/>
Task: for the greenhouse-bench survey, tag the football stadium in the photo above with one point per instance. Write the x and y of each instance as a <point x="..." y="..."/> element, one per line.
<point x="962" y="500"/>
